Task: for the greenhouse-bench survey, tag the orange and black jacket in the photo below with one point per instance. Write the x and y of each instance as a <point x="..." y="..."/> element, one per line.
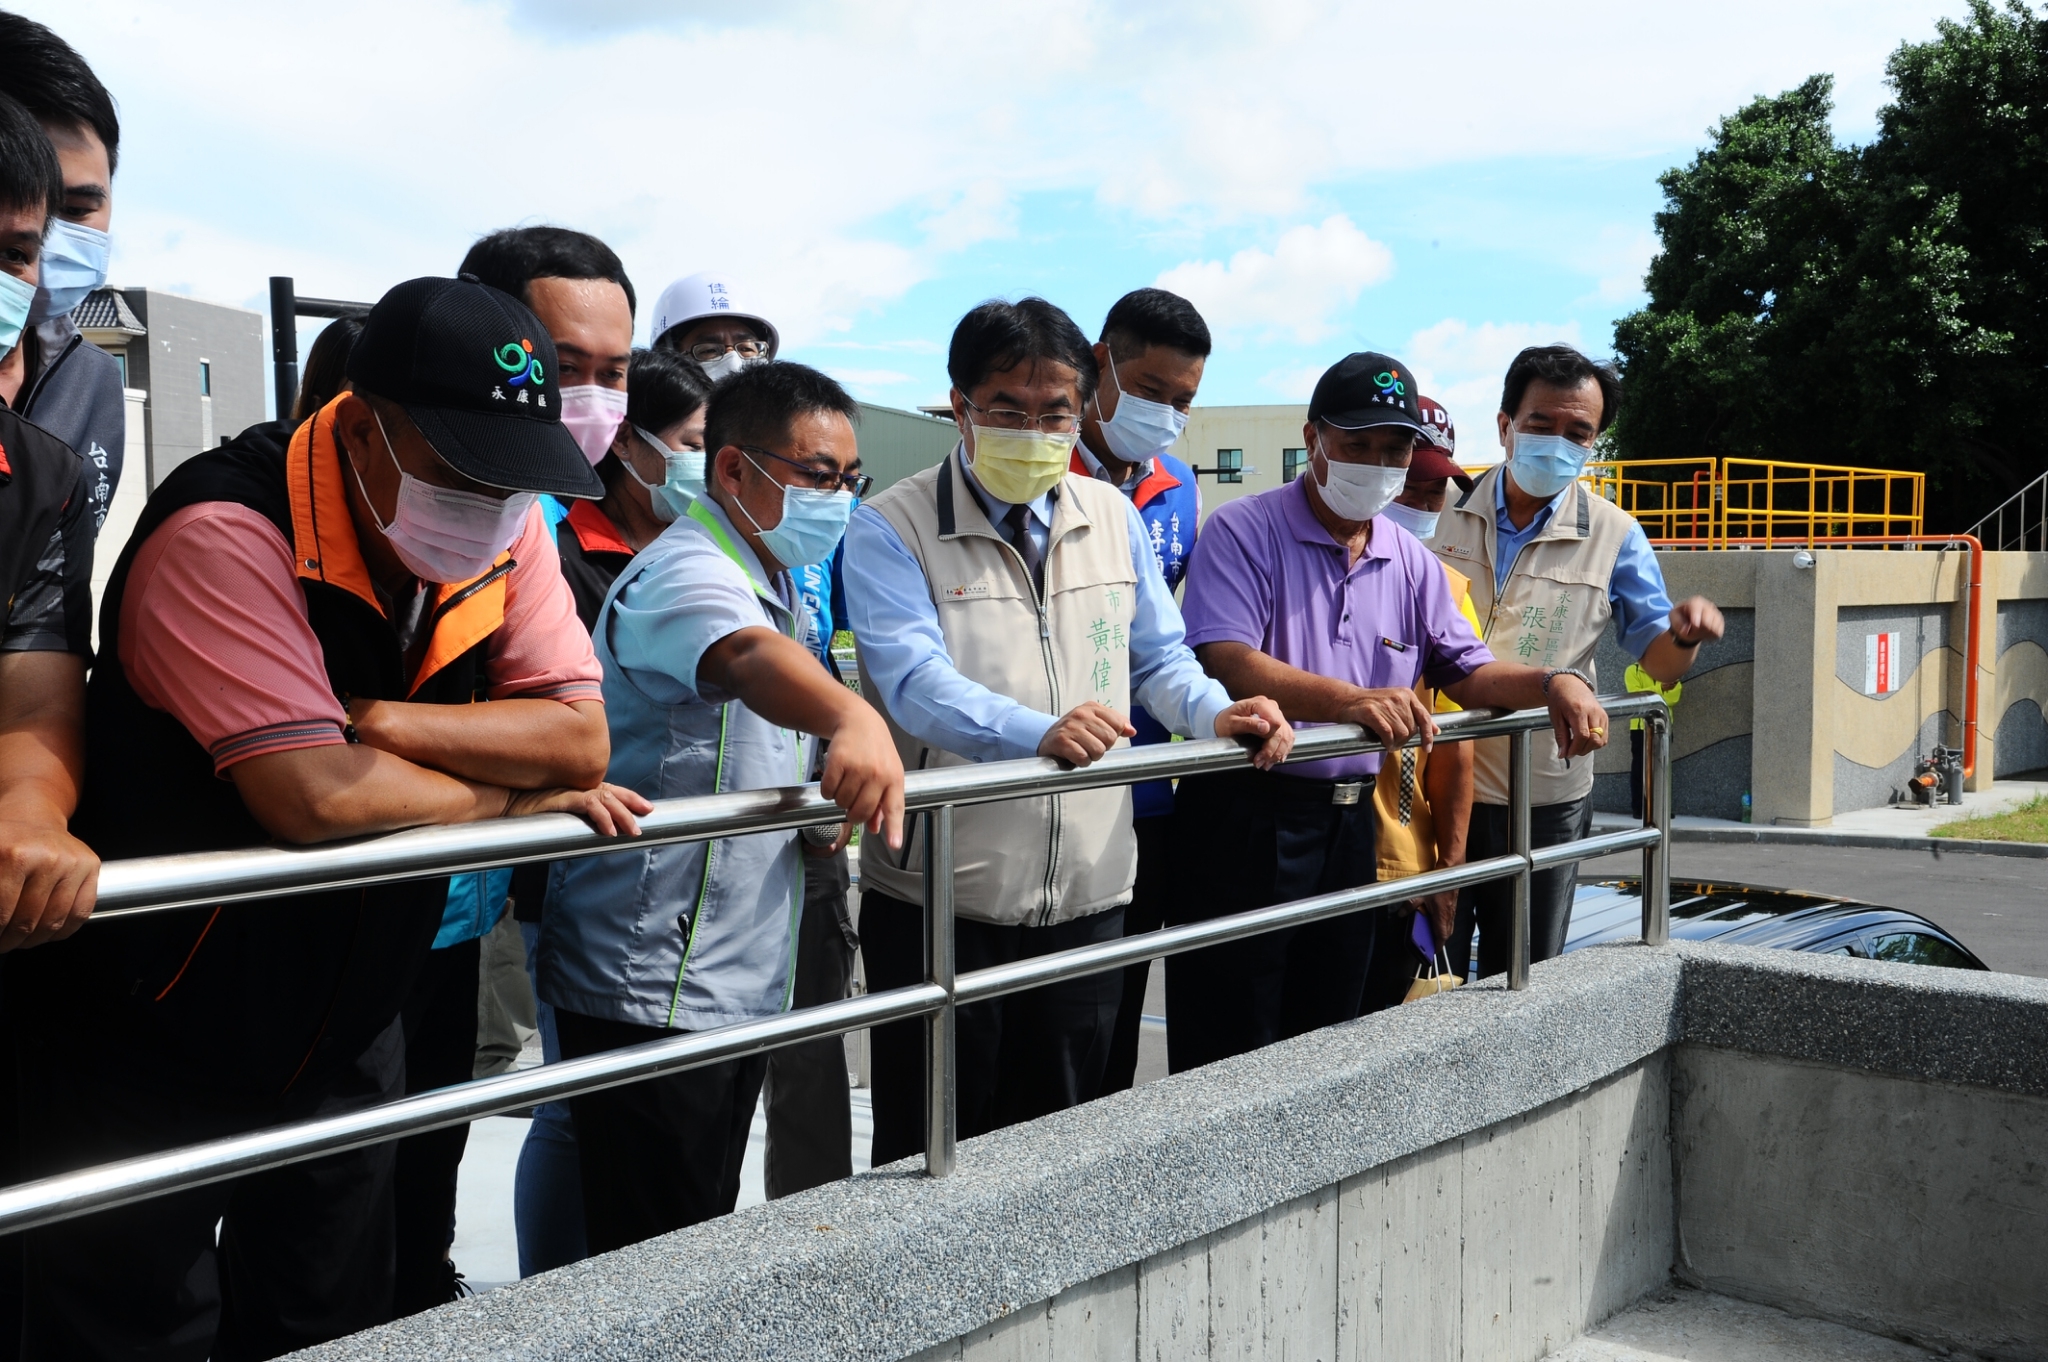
<point x="253" y="1000"/>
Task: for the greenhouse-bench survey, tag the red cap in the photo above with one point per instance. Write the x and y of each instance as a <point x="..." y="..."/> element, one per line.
<point x="1436" y="425"/>
<point x="1431" y="464"/>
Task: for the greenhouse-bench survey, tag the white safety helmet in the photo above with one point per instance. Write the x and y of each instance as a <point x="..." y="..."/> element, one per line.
<point x="707" y="295"/>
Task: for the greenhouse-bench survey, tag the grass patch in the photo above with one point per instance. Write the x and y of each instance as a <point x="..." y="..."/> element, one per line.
<point x="2027" y="823"/>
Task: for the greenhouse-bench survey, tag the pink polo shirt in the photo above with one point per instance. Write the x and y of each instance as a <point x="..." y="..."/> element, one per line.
<point x="214" y="633"/>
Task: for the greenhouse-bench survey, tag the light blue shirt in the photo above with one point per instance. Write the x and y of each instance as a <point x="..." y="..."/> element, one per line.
<point x="1642" y="609"/>
<point x="897" y="627"/>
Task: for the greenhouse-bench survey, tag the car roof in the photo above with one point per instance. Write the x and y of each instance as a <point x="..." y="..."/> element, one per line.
<point x="1784" y="919"/>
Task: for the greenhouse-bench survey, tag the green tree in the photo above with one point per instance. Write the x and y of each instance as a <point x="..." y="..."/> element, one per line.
<point x="1876" y="305"/>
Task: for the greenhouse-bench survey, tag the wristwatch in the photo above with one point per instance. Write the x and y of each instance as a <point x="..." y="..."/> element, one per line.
<point x="1565" y="671"/>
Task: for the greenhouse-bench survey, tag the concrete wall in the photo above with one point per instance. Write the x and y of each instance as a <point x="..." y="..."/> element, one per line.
<point x="1480" y="1175"/>
<point x="182" y="332"/>
<point x="1778" y="708"/>
<point x="1895" y="1205"/>
<point x="1262" y="432"/>
<point x="1505" y="1244"/>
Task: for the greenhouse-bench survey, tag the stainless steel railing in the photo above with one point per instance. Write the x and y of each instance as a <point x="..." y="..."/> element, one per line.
<point x="165" y="883"/>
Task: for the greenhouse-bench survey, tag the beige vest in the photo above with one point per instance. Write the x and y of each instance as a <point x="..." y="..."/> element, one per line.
<point x="1551" y="613"/>
<point x="1029" y="861"/>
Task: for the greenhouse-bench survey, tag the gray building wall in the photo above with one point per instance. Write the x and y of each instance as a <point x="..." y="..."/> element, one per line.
<point x="165" y="363"/>
<point x="895" y="443"/>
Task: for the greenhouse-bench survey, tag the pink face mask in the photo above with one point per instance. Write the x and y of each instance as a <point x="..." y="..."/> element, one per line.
<point x="592" y="415"/>
<point x="443" y="535"/>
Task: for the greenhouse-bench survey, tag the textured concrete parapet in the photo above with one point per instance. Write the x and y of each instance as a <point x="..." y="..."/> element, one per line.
<point x="890" y="1263"/>
<point x="1942" y="1025"/>
<point x="1411" y="1184"/>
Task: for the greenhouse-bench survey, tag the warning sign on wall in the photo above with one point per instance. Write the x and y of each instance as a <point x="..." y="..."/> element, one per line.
<point x="1883" y="668"/>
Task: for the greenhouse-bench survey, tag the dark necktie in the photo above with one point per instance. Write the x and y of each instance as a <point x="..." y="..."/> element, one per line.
<point x="1016" y="529"/>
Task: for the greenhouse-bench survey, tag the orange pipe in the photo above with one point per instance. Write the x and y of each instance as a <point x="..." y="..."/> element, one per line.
<point x="1968" y="541"/>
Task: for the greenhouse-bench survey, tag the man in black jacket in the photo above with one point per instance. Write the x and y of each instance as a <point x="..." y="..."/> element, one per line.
<point x="47" y="876"/>
<point x="292" y="643"/>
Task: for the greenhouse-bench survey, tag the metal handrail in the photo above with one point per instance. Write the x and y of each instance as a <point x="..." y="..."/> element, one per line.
<point x="156" y="884"/>
<point x="2024" y="529"/>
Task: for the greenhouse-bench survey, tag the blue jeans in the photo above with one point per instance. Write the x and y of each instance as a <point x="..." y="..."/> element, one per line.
<point x="547" y="1187"/>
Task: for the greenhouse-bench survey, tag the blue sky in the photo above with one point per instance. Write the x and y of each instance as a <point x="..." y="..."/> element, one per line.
<point x="1448" y="183"/>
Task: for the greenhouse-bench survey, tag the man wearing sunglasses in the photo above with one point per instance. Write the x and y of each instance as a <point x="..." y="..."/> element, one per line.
<point x="1006" y="607"/>
<point x="711" y="686"/>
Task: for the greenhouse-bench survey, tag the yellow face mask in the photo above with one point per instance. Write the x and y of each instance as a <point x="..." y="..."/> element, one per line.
<point x="1020" y="466"/>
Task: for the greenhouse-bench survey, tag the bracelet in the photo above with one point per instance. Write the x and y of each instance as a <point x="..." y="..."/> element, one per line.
<point x="1564" y="671"/>
<point x="1684" y="642"/>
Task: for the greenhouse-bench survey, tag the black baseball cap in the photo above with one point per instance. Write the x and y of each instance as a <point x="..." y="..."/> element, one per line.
<point x="1367" y="389"/>
<point x="476" y="372"/>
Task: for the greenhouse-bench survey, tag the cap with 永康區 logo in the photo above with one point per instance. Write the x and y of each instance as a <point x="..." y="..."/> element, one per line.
<point x="475" y="370"/>
<point x="1364" y="390"/>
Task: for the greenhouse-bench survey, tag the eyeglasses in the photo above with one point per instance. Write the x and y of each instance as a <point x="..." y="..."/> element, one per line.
<point x="706" y="351"/>
<point x="823" y="479"/>
<point x="1052" y="423"/>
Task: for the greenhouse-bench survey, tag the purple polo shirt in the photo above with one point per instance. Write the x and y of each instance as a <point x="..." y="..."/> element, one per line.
<point x="1266" y="573"/>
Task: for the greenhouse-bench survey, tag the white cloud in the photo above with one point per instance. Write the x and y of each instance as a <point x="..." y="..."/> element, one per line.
<point x="1461" y="366"/>
<point x="1292" y="382"/>
<point x="1311" y="275"/>
<point x="871" y="143"/>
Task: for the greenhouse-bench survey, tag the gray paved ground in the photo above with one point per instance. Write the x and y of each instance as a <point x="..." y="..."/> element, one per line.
<point x="1995" y="905"/>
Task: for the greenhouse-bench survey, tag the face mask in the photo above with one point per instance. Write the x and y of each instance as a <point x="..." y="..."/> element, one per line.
<point x="1421" y="524"/>
<point x="684" y="484"/>
<point x="440" y="534"/>
<point x="813" y="522"/>
<point x="1141" y="429"/>
<point x="1020" y="466"/>
<point x="15" y="298"/>
<point x="1545" y="465"/>
<point x="592" y="415"/>
<point x="74" y="264"/>
<point x="1357" y="492"/>
<point x="727" y="363"/>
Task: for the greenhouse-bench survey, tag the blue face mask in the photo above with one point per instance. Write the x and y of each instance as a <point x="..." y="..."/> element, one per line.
<point x="1544" y="465"/>
<point x="682" y="484"/>
<point x="813" y="523"/>
<point x="1421" y="524"/>
<point x="74" y="264"/>
<point x="15" y="297"/>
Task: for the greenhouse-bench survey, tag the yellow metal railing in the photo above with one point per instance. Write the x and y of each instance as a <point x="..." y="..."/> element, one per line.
<point x="1761" y="503"/>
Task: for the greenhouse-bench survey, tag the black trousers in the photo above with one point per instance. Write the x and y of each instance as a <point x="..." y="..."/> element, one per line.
<point x="304" y="1253"/>
<point x="810" y="1114"/>
<point x="440" y="1051"/>
<point x="662" y="1153"/>
<point x="1492" y="906"/>
<point x="1145" y="913"/>
<point x="1635" y="772"/>
<point x="1251" y="839"/>
<point x="1019" y="1057"/>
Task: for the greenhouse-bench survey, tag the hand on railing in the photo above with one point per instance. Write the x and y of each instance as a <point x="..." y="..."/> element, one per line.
<point x="864" y="776"/>
<point x="1084" y="733"/>
<point x="1393" y="715"/>
<point x="609" y="808"/>
<point x="1260" y="718"/>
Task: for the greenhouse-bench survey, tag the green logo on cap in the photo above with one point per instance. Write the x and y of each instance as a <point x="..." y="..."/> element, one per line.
<point x="516" y="359"/>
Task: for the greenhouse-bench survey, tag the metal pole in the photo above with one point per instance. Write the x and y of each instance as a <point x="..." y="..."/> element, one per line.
<point x="284" y="343"/>
<point x="1657" y="813"/>
<point x="1518" y="845"/>
<point x="941" y="1117"/>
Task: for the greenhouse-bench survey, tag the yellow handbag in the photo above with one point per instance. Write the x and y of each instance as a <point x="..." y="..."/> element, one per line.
<point x="1436" y="980"/>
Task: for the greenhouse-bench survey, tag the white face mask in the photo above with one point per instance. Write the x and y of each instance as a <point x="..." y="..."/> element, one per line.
<point x="1421" y="524"/>
<point x="727" y="363"/>
<point x="440" y="534"/>
<point x="1355" y="491"/>
<point x="1141" y="429"/>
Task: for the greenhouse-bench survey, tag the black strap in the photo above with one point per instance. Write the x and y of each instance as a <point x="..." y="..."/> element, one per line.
<point x="946" y="523"/>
